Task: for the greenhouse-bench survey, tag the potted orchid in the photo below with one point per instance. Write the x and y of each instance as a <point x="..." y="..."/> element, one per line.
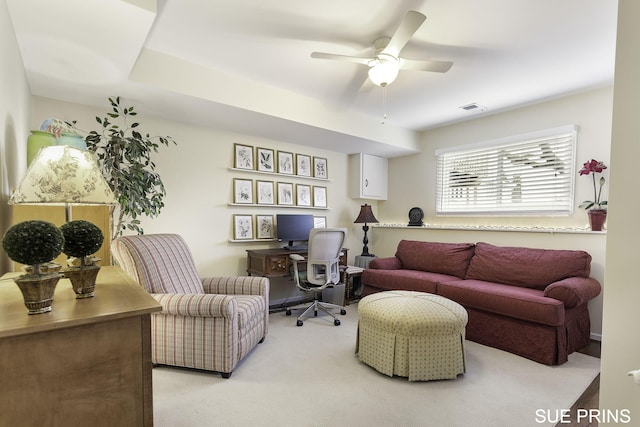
<point x="597" y="208"/>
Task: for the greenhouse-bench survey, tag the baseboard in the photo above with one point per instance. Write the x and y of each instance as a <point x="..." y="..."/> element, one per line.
<point x="596" y="337"/>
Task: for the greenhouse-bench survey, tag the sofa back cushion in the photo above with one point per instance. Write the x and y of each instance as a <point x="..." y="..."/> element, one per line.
<point x="445" y="258"/>
<point x="526" y="267"/>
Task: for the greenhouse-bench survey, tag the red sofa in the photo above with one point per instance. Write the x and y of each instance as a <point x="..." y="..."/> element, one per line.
<point x="531" y="302"/>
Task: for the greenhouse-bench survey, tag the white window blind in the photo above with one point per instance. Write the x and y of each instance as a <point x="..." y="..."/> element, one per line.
<point x="521" y="175"/>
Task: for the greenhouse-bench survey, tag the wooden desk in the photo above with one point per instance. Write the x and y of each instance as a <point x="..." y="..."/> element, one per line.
<point x="86" y="363"/>
<point x="276" y="262"/>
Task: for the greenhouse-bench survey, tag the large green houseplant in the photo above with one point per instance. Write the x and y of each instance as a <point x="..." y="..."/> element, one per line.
<point x="124" y="154"/>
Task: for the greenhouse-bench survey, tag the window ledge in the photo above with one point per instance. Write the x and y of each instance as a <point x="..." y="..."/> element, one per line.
<point x="518" y="229"/>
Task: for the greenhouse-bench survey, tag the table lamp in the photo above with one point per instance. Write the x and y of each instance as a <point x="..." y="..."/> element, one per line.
<point x="365" y="216"/>
<point x="63" y="175"/>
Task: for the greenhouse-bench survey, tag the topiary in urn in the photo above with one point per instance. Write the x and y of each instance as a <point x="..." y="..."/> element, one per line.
<point x="81" y="239"/>
<point x="35" y="243"/>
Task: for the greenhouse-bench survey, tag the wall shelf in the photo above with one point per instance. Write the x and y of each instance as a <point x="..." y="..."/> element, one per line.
<point x="284" y="175"/>
<point x="252" y="240"/>
<point x="495" y="228"/>
<point x="254" y="205"/>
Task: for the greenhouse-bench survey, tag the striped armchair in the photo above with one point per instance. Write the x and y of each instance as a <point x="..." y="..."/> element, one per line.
<point x="205" y="323"/>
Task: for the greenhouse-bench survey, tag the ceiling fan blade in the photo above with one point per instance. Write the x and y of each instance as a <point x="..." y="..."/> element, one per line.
<point x="409" y="25"/>
<point x="333" y="56"/>
<point x="426" y="65"/>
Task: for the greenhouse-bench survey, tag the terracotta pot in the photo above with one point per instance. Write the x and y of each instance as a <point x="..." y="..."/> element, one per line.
<point x="37" y="291"/>
<point x="597" y="217"/>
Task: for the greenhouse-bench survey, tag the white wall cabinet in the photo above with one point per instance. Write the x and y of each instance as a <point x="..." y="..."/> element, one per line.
<point x="368" y="176"/>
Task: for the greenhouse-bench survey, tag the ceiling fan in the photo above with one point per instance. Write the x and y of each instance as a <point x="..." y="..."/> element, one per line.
<point x="384" y="66"/>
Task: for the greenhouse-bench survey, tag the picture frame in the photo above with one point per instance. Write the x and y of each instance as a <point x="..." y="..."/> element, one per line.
<point x="319" y="222"/>
<point x="320" y="168"/>
<point x="243" y="191"/>
<point x="303" y="195"/>
<point x="264" y="192"/>
<point x="264" y="227"/>
<point x="303" y="165"/>
<point x="266" y="159"/>
<point x="242" y="227"/>
<point x="285" y="194"/>
<point x="243" y="156"/>
<point x="285" y="162"/>
<point x="319" y="197"/>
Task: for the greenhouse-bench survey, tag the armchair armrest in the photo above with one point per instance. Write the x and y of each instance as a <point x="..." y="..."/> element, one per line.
<point x="574" y="291"/>
<point x="198" y="305"/>
<point x="240" y="285"/>
<point x="389" y="263"/>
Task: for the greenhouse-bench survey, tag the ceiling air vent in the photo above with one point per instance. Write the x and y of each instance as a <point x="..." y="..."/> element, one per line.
<point x="473" y="107"/>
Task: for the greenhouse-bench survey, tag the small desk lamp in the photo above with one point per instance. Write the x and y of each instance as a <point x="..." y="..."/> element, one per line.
<point x="365" y="216"/>
<point x="63" y="175"/>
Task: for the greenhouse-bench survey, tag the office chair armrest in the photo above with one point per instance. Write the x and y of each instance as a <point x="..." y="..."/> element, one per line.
<point x="198" y="305"/>
<point x="239" y="285"/>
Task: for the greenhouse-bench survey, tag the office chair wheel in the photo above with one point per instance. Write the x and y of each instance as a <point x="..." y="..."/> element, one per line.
<point x="343" y="311"/>
<point x="336" y="322"/>
<point x="299" y="322"/>
<point x="287" y="312"/>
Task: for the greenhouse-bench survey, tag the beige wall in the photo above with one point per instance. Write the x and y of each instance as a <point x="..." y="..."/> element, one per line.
<point x="620" y="345"/>
<point x="14" y="115"/>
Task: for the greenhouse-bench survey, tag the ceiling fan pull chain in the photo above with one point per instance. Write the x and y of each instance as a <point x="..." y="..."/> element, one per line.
<point x="384" y="103"/>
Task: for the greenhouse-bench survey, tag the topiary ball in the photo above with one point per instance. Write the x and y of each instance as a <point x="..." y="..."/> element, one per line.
<point x="33" y="242"/>
<point x="81" y="238"/>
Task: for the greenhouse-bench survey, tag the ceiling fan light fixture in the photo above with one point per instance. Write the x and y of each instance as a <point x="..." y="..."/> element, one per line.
<point x="383" y="70"/>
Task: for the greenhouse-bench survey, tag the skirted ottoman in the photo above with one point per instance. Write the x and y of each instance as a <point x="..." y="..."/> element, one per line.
<point x="412" y="334"/>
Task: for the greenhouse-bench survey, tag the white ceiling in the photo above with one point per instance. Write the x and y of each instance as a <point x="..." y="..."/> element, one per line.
<point x="245" y="64"/>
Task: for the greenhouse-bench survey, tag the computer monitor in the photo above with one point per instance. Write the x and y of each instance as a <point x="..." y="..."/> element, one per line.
<point x="294" y="228"/>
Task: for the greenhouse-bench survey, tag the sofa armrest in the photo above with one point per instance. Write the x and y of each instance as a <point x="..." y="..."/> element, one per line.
<point x="198" y="305"/>
<point x="389" y="263"/>
<point x="573" y="291"/>
<point x="239" y="285"/>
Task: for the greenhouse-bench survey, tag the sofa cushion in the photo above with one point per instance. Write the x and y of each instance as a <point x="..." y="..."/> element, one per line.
<point x="526" y="267"/>
<point x="445" y="258"/>
<point x="512" y="301"/>
<point x="406" y="280"/>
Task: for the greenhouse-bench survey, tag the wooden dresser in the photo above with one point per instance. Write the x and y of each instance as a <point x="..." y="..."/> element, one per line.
<point x="86" y="363"/>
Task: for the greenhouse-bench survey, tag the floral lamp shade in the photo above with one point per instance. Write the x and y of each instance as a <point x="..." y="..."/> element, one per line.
<point x="63" y="175"/>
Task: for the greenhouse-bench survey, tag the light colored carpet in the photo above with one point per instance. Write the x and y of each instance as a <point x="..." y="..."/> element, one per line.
<point x="309" y="376"/>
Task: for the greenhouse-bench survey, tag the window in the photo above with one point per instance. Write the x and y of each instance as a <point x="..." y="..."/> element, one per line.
<point x="521" y="175"/>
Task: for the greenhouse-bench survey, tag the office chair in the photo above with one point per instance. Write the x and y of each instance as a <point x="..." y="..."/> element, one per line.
<point x="323" y="270"/>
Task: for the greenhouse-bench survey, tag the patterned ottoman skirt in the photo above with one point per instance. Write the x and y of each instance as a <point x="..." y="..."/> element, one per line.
<point x="412" y="334"/>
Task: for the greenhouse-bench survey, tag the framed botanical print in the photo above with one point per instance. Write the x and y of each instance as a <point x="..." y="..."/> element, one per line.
<point x="303" y="195"/>
<point x="319" y="222"/>
<point x="264" y="227"/>
<point x="266" y="159"/>
<point x="264" y="192"/>
<point x="320" y="197"/>
<point x="243" y="191"/>
<point x="242" y="227"/>
<point x="303" y="165"/>
<point x="320" y="167"/>
<point x="285" y="162"/>
<point x="285" y="193"/>
<point x="243" y="156"/>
